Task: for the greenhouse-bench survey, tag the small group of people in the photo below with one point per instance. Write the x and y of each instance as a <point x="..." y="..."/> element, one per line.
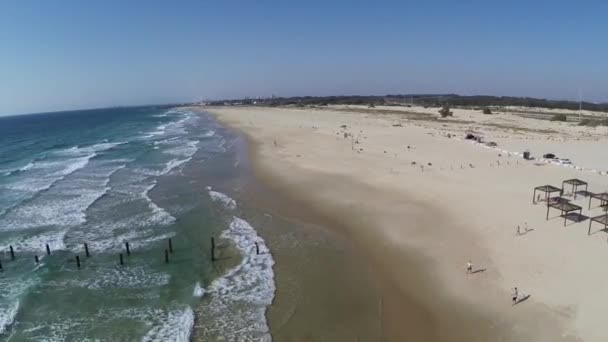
<point x="514" y="298"/>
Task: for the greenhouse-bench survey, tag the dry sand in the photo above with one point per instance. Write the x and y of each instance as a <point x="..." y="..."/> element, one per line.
<point x="419" y="224"/>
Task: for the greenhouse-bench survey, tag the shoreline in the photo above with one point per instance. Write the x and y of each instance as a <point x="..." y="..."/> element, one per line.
<point x="405" y="310"/>
<point x="399" y="311"/>
<point x="311" y="297"/>
<point x="320" y="168"/>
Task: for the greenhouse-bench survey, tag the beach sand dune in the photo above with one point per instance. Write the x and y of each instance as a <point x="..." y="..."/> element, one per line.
<point x="419" y="201"/>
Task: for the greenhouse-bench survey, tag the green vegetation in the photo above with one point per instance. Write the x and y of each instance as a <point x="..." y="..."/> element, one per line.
<point x="593" y="122"/>
<point x="445" y="112"/>
<point x="559" y="117"/>
<point x="425" y="100"/>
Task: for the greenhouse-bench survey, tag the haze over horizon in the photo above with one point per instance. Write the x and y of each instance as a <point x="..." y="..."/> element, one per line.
<point x="86" y="55"/>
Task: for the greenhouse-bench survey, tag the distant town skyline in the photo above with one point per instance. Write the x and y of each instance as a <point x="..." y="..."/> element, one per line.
<point x="74" y="55"/>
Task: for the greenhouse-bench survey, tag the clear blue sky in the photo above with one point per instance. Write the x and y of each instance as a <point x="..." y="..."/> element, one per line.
<point x="78" y="54"/>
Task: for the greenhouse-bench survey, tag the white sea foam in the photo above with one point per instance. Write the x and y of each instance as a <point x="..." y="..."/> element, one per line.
<point x="125" y="277"/>
<point x="159" y="213"/>
<point x="175" y="326"/>
<point x="222" y="198"/>
<point x="37" y="242"/>
<point x="142" y="242"/>
<point x="66" y="204"/>
<point x="7" y="315"/>
<point x="239" y="298"/>
<point x="57" y="170"/>
<point x="80" y="150"/>
<point x="198" y="290"/>
<point x="186" y="149"/>
<point x="12" y="287"/>
<point x="173" y="163"/>
<point x="208" y="134"/>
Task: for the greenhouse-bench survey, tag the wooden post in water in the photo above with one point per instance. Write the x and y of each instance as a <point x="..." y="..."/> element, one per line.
<point x="78" y="261"/>
<point x="86" y="250"/>
<point x="36" y="259"/>
<point x="12" y="252"/>
<point x="166" y="256"/>
<point x="128" y="250"/>
<point x="170" y="246"/>
<point x="121" y="261"/>
<point x="212" y="249"/>
<point x="48" y="249"/>
<point x="257" y="249"/>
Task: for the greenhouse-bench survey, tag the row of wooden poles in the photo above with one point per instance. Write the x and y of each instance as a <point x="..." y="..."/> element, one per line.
<point x="257" y="249"/>
<point x="88" y="254"/>
<point x="120" y="255"/>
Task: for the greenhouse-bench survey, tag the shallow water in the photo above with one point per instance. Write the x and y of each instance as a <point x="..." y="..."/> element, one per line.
<point x="106" y="177"/>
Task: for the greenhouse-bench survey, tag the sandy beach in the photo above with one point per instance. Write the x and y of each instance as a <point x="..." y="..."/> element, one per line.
<point x="418" y="201"/>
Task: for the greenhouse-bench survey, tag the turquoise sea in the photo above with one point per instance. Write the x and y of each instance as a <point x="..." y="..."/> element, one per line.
<point x="107" y="177"/>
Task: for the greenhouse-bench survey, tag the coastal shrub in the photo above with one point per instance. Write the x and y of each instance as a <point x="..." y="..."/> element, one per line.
<point x="593" y="122"/>
<point x="445" y="112"/>
<point x="371" y="105"/>
<point x="487" y="111"/>
<point x="559" y="117"/>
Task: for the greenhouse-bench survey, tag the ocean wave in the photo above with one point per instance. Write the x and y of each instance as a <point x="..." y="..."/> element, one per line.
<point x="125" y="277"/>
<point x="8" y="313"/>
<point x="12" y="288"/>
<point x="20" y="169"/>
<point x="184" y="150"/>
<point x="37" y="242"/>
<point x="163" y="215"/>
<point x="238" y="299"/>
<point x="172" y="164"/>
<point x="198" y="290"/>
<point x="175" y="326"/>
<point x="208" y="134"/>
<point x="99" y="147"/>
<point x="222" y="198"/>
<point x="109" y="234"/>
<point x="56" y="171"/>
<point x="170" y="128"/>
<point x="112" y="237"/>
<point x="66" y="204"/>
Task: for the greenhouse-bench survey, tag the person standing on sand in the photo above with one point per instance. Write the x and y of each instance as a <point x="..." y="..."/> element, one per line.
<point x="518" y="230"/>
<point x="469" y="267"/>
<point x="515" y="295"/>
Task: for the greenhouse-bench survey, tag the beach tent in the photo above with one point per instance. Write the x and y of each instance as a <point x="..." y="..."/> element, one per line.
<point x="547" y="189"/>
<point x="565" y="207"/>
<point x="603" y="197"/>
<point x="575" y="182"/>
<point x="602" y="219"/>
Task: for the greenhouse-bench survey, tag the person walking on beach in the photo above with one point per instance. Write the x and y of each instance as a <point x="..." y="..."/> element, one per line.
<point x="515" y="295"/>
<point x="469" y="267"/>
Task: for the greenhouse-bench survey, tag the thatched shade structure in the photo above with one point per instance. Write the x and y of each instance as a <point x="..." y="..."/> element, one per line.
<point x="547" y="189"/>
<point x="575" y="182"/>
<point x="603" y="197"/>
<point x="564" y="207"/>
<point x="602" y="219"/>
